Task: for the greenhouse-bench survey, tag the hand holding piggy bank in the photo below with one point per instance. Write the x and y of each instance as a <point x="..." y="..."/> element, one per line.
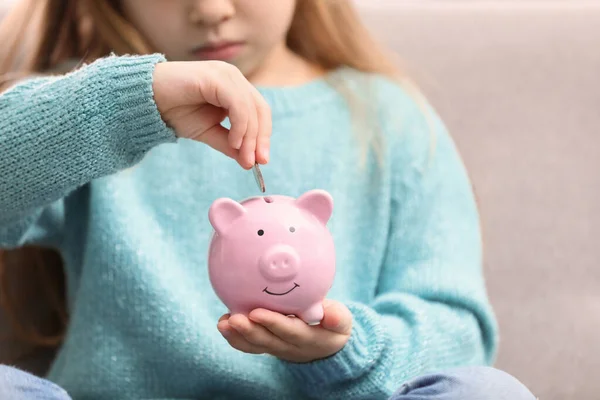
<point x="273" y="252"/>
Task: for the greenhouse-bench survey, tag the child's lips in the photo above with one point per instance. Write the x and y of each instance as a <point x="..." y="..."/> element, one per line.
<point x="219" y="51"/>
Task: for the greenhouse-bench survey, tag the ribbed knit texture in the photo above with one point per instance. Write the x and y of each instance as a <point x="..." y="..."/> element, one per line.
<point x="88" y="167"/>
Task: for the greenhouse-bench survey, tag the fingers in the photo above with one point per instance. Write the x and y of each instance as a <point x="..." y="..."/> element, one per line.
<point x="247" y="153"/>
<point x="248" y="112"/>
<point x="258" y="126"/>
<point x="244" y="335"/>
<point x="183" y="86"/>
<point x="225" y="90"/>
<point x="263" y="139"/>
<point x="290" y="330"/>
<point x="225" y="317"/>
<point x="291" y="339"/>
<point x="240" y="115"/>
<point x="257" y="335"/>
<point x="237" y="341"/>
<point x="337" y="318"/>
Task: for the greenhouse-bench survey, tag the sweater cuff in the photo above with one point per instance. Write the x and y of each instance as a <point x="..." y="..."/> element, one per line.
<point x="359" y="355"/>
<point x="130" y="78"/>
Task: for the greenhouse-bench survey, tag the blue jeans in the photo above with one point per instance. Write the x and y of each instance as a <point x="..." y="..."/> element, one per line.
<point x="474" y="383"/>
<point x="477" y="383"/>
<point x="18" y="385"/>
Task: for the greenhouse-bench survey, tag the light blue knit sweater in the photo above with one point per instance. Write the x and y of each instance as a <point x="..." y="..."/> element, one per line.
<point x="88" y="167"/>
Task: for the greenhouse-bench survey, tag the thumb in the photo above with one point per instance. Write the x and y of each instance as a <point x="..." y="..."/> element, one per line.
<point x="337" y="318"/>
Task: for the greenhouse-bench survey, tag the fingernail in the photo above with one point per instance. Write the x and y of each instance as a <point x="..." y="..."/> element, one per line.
<point x="265" y="154"/>
<point x="232" y="325"/>
<point x="225" y="332"/>
<point x="238" y="144"/>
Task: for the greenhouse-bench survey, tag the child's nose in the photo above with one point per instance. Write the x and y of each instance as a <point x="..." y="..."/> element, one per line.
<point x="212" y="12"/>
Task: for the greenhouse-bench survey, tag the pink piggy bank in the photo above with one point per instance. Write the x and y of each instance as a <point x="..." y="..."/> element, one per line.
<point x="273" y="252"/>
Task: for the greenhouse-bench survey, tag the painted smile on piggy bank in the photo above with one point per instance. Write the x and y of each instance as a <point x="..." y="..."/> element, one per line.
<point x="280" y="294"/>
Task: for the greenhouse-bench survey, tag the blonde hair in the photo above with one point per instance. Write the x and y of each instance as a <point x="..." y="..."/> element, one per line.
<point x="42" y="36"/>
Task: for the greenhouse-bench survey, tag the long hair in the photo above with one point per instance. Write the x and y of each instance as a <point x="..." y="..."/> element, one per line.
<point x="44" y="36"/>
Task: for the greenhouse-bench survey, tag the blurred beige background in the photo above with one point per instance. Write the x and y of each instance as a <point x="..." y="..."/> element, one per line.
<point x="517" y="82"/>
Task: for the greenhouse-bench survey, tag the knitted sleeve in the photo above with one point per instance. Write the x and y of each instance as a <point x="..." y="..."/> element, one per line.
<point x="59" y="133"/>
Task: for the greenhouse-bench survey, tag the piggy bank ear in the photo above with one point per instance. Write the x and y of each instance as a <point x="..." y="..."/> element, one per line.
<point x="317" y="202"/>
<point x="223" y="212"/>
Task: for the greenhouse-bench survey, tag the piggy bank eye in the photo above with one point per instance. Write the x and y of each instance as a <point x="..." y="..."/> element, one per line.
<point x="292" y="229"/>
<point x="261" y="232"/>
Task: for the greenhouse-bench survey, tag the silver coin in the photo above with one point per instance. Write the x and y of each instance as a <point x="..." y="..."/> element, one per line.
<point x="260" y="182"/>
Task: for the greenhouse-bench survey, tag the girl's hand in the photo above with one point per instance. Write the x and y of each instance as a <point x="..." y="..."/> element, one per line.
<point x="290" y="339"/>
<point x="194" y="98"/>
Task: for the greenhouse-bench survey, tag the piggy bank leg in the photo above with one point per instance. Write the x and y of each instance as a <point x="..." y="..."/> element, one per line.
<point x="313" y="315"/>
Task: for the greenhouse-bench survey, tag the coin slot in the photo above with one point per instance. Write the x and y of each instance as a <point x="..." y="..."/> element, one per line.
<point x="268" y="199"/>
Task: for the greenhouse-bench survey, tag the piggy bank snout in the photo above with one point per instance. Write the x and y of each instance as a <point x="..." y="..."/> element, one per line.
<point x="280" y="263"/>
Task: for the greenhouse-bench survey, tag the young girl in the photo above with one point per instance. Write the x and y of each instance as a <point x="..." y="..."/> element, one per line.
<point x="108" y="166"/>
